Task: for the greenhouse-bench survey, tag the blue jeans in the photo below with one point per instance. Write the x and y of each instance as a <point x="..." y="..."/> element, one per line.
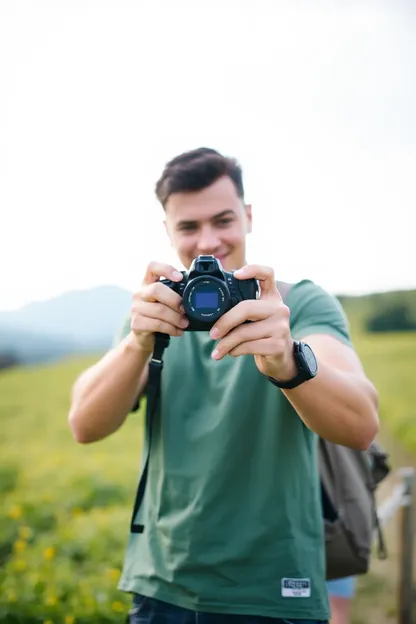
<point x="151" y="611"/>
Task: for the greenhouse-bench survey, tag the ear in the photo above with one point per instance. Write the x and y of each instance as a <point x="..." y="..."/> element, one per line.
<point x="249" y="217"/>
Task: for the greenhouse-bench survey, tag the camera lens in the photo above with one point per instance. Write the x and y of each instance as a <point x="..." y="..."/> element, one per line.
<point x="205" y="299"/>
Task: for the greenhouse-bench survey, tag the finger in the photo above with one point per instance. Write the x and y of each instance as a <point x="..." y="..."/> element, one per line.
<point x="248" y="310"/>
<point x="264" y="274"/>
<point x="162" y="294"/>
<point x="264" y="347"/>
<point x="145" y="324"/>
<point x="156" y="270"/>
<point x="242" y="335"/>
<point x="162" y="312"/>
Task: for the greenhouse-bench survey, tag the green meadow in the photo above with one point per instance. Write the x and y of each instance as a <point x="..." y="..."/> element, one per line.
<point x="65" y="508"/>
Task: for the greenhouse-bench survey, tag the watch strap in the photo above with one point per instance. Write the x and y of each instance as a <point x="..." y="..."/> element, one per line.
<point x="301" y="376"/>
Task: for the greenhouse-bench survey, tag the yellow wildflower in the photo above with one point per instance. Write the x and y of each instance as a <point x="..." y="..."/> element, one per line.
<point x="15" y="512"/>
<point x="19" y="546"/>
<point x="51" y="601"/>
<point x="113" y="574"/>
<point x="117" y="606"/>
<point x="25" y="532"/>
<point x="49" y="553"/>
<point x="69" y="619"/>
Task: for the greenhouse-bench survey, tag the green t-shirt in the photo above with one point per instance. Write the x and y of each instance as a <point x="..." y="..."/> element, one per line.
<point x="232" y="507"/>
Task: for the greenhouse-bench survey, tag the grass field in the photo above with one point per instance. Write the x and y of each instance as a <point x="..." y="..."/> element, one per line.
<point x="66" y="508"/>
<point x="390" y="362"/>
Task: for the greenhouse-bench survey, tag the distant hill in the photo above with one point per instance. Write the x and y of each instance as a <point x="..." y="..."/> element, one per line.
<point x="361" y="308"/>
<point x="75" y="322"/>
<point x="23" y="347"/>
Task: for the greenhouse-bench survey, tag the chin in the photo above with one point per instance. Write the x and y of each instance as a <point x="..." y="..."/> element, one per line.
<point x="231" y="263"/>
<point x="227" y="262"/>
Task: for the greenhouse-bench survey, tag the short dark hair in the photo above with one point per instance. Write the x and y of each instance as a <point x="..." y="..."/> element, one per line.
<point x="195" y="170"/>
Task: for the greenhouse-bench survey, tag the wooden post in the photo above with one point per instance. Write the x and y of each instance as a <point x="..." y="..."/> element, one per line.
<point x="406" y="554"/>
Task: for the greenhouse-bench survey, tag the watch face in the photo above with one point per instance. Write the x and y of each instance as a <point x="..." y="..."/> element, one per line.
<point x="310" y="359"/>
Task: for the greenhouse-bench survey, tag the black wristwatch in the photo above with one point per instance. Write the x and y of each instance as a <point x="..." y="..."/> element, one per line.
<point x="306" y="365"/>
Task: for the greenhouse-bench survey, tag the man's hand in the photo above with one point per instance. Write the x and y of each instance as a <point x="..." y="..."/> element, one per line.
<point x="156" y="308"/>
<point x="267" y="337"/>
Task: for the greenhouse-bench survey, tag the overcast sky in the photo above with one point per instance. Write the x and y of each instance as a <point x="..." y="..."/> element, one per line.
<point x="316" y="99"/>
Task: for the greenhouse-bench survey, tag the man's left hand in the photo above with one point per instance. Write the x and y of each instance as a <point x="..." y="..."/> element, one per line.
<point x="267" y="337"/>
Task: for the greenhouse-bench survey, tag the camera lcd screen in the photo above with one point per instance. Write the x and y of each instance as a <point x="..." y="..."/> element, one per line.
<point x="205" y="299"/>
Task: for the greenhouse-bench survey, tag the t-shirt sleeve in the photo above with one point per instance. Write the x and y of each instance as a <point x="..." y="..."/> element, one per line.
<point x="314" y="311"/>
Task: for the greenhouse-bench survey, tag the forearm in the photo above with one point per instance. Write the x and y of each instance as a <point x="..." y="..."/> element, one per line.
<point x="103" y="396"/>
<point x="339" y="406"/>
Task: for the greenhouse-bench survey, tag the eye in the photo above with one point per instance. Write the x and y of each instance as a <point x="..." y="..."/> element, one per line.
<point x="188" y="227"/>
<point x="224" y="222"/>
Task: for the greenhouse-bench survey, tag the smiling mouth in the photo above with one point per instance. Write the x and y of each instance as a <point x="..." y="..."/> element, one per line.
<point x="222" y="257"/>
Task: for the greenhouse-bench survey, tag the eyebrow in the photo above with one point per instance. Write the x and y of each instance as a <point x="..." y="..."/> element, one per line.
<point x="220" y="215"/>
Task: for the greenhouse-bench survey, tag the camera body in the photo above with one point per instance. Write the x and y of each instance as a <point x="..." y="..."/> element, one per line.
<point x="208" y="292"/>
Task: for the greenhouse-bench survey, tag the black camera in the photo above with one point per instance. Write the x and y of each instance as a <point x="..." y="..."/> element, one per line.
<point x="208" y="292"/>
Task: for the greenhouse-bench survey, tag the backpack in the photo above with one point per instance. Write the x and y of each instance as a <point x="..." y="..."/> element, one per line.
<point x="349" y="479"/>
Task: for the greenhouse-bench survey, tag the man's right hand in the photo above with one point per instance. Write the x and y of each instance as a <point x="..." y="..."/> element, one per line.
<point x="156" y="308"/>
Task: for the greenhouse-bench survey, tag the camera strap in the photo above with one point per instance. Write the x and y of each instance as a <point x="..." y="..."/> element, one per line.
<point x="153" y="396"/>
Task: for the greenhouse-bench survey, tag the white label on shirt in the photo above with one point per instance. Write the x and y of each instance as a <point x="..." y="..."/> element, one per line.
<point x="296" y="588"/>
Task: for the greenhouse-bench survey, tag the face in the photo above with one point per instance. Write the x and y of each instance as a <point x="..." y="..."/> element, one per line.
<point x="213" y="221"/>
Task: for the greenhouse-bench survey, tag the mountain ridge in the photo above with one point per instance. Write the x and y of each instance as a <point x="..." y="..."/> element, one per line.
<point x="76" y="321"/>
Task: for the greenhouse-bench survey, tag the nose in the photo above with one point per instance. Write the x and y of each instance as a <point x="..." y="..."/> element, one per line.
<point x="208" y="241"/>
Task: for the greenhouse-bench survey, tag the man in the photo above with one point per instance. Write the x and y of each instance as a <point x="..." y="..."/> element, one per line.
<point x="231" y="515"/>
